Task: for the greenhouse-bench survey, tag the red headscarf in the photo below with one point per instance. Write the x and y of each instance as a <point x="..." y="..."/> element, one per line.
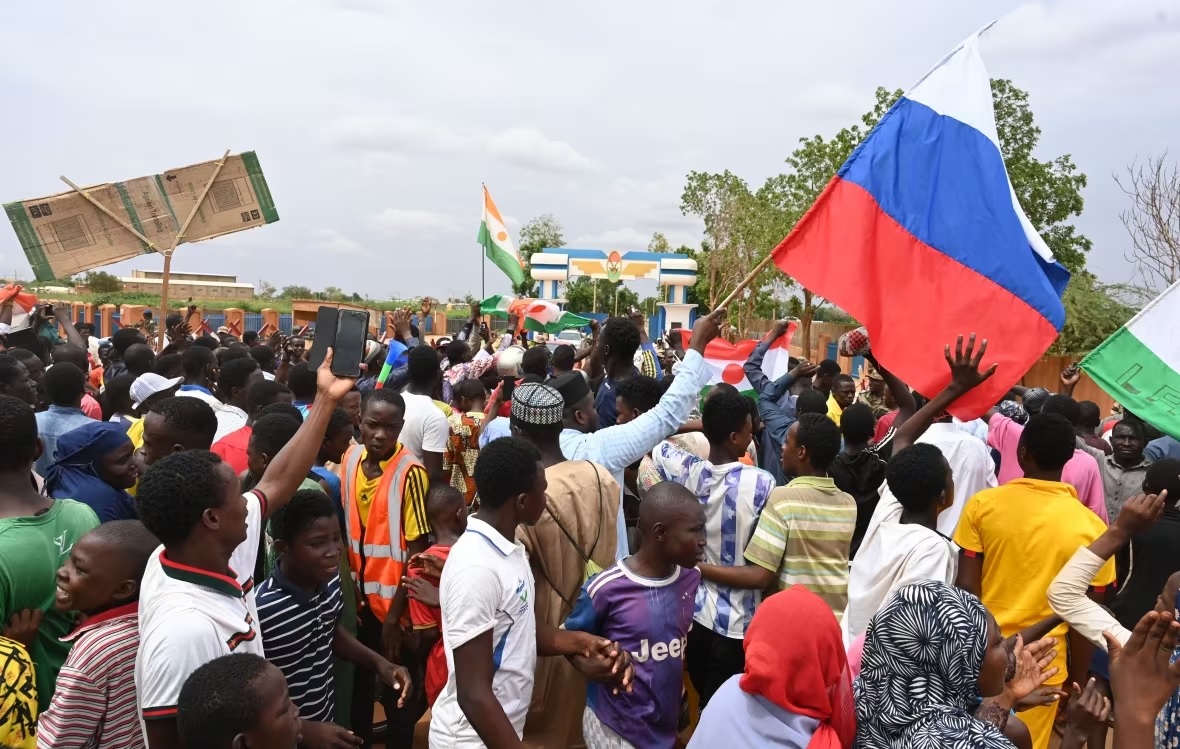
<point x="795" y="659"/>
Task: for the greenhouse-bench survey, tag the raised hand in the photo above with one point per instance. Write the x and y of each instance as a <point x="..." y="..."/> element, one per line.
<point x="1070" y="376"/>
<point x="1088" y="709"/>
<point x="1140" y="512"/>
<point x="1032" y="667"/>
<point x="330" y="386"/>
<point x="1142" y="676"/>
<point x="804" y="369"/>
<point x="23" y="626"/>
<point x="964" y="366"/>
<point x="706" y="329"/>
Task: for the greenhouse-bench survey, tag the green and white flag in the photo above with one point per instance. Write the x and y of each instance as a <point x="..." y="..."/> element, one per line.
<point x="1139" y="366"/>
<point x="497" y="245"/>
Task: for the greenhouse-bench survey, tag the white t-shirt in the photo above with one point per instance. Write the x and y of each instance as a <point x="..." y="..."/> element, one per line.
<point x="891" y="557"/>
<point x="486" y="586"/>
<point x="425" y="427"/>
<point x="188" y="617"/>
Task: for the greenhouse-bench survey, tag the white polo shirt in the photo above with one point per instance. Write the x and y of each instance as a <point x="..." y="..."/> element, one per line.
<point x="486" y="586"/>
<point x="424" y="428"/>
<point x="189" y="616"/>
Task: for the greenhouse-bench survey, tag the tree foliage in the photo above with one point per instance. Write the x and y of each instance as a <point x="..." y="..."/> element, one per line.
<point x="584" y="294"/>
<point x="658" y="243"/>
<point x="537" y="234"/>
<point x="297" y="292"/>
<point x="742" y="226"/>
<point x="1093" y="312"/>
<point x="101" y="282"/>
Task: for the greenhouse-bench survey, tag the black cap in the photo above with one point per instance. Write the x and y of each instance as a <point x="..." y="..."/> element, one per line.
<point x="572" y="386"/>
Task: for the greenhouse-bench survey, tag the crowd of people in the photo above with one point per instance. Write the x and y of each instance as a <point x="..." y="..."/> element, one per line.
<point x="213" y="545"/>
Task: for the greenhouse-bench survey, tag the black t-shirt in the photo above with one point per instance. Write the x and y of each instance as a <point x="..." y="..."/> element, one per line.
<point x="1145" y="566"/>
<point x="861" y="476"/>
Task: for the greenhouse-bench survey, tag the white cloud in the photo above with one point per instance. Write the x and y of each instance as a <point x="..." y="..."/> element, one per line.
<point x="629" y="238"/>
<point x="410" y="222"/>
<point x="530" y="148"/>
<point x="525" y="147"/>
<point x="834" y="98"/>
<point x="1053" y="27"/>
<point x="333" y="242"/>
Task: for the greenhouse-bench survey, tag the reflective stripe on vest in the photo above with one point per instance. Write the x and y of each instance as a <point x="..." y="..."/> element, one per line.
<point x="377" y="549"/>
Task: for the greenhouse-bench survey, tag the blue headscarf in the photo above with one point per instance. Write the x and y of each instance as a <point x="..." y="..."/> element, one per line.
<point x="75" y="474"/>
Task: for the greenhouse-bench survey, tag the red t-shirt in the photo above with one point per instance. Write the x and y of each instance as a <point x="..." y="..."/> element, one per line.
<point x="883" y="425"/>
<point x="430" y="617"/>
<point x="232" y="448"/>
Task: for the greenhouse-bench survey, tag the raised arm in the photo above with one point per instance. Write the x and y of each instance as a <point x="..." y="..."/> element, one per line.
<point x="291" y="466"/>
<point x="62" y="312"/>
<point x="1068" y="592"/>
<point x="906" y="405"/>
<point x="621" y="445"/>
<point x="753" y="366"/>
<point x="965" y="376"/>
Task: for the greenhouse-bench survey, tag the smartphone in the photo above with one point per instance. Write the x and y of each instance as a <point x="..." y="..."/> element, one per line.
<point x="348" y="350"/>
<point x="325" y="336"/>
<point x="509" y="383"/>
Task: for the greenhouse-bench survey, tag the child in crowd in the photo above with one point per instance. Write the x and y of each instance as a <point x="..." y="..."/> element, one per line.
<point x="299" y="609"/>
<point x="645" y="603"/>
<point x="447" y="509"/>
<point x="237" y="701"/>
<point x="94" y="705"/>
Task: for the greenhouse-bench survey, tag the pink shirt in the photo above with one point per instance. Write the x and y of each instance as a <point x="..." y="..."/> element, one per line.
<point x="1081" y="471"/>
<point x="90" y="407"/>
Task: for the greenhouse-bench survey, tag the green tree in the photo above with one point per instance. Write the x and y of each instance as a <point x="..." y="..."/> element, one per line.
<point x="356" y="297"/>
<point x="537" y="234"/>
<point x="101" y="282"/>
<point x="1093" y="312"/>
<point x="297" y="292"/>
<point x="332" y="293"/>
<point x="265" y="290"/>
<point x="658" y="243"/>
<point x="649" y="305"/>
<point x="1050" y="192"/>
<point x="584" y="294"/>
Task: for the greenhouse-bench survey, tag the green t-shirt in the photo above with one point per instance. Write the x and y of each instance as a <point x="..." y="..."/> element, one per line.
<point x="32" y="549"/>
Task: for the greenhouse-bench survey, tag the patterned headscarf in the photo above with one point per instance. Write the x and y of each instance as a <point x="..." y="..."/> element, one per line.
<point x="1014" y="411"/>
<point x="919" y="678"/>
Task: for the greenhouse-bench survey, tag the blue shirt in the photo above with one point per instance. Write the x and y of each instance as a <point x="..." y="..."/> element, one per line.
<point x="650" y="619"/>
<point x="498" y="427"/>
<point x="617" y="447"/>
<point x="736" y="719"/>
<point x="605" y="405"/>
<point x="1164" y="447"/>
<point x="298" y="628"/>
<point x="51" y="425"/>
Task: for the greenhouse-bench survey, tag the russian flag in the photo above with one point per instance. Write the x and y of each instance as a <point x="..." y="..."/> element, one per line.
<point x="920" y="237"/>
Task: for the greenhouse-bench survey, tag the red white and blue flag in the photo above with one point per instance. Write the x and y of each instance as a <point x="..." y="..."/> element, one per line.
<point x="920" y="237"/>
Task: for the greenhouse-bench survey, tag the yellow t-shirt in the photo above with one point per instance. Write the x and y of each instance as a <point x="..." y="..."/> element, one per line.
<point x="1026" y="531"/>
<point x="413" y="501"/>
<point x="18" y="703"/>
<point x="834" y="410"/>
<point x="135" y="432"/>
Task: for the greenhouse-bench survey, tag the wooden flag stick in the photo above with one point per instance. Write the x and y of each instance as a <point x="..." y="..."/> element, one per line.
<point x="126" y="225"/>
<point x="176" y="241"/>
<point x="746" y="281"/>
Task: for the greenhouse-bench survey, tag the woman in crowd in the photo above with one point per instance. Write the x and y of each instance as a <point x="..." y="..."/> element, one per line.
<point x="95" y="466"/>
<point x="795" y="692"/>
<point x="932" y="653"/>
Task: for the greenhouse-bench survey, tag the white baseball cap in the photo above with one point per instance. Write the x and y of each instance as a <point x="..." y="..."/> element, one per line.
<point x="147" y="385"/>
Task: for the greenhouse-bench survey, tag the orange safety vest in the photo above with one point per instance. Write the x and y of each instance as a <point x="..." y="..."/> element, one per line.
<point x="376" y="556"/>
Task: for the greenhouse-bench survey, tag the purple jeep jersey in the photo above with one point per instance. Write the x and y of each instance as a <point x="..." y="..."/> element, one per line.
<point x="650" y="619"/>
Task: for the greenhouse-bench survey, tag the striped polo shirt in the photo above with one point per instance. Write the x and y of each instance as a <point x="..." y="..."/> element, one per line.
<point x="94" y="705"/>
<point x="804" y="536"/>
<point x="733" y="495"/>
<point x="298" y="627"/>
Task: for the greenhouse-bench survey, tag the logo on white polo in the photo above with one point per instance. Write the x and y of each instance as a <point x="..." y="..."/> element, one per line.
<point x="660" y="651"/>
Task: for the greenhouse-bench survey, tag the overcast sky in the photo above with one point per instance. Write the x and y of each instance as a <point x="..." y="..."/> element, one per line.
<point x="375" y="121"/>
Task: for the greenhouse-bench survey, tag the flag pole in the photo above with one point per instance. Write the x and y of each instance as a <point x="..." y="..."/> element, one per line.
<point x="483" y="263"/>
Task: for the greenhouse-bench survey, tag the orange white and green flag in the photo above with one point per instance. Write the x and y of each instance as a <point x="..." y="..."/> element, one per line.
<point x="726" y="361"/>
<point x="497" y="245"/>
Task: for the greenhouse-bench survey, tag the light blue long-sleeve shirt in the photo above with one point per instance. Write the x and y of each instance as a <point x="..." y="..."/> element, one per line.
<point x="51" y="425"/>
<point x="616" y="447"/>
